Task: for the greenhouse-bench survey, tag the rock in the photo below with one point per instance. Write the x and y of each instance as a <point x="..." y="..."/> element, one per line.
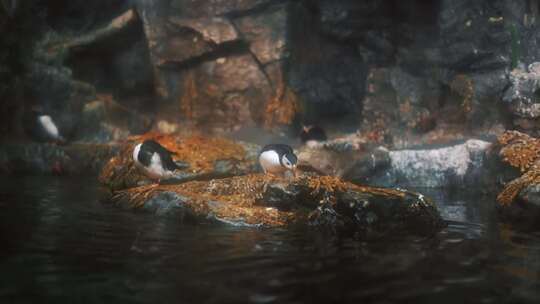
<point x="225" y="94"/>
<point x="328" y="76"/>
<point x="206" y="8"/>
<point x="325" y="203"/>
<point x="460" y="165"/>
<point x="524" y="211"/>
<point x="368" y="166"/>
<point x="523" y="93"/>
<point x="266" y="33"/>
<point x="215" y="30"/>
<point x="530" y="195"/>
<point x="279" y="196"/>
<point x="72" y="159"/>
<point x="323" y="160"/>
<point x="412" y="88"/>
<point x="204" y="158"/>
<point x="190" y="39"/>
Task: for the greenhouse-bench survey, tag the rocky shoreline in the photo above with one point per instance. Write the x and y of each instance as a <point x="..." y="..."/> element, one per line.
<point x="509" y="166"/>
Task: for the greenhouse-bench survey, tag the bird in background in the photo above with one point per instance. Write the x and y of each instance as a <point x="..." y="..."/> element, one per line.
<point x="41" y="126"/>
<point x="311" y="135"/>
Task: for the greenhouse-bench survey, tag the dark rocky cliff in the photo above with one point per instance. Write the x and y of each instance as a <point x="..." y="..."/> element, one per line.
<point x="407" y="70"/>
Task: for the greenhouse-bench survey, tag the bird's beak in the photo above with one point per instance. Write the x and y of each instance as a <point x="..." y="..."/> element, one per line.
<point x="294" y="171"/>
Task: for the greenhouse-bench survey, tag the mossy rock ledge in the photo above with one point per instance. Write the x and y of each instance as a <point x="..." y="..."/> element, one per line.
<point x="205" y="158"/>
<point x="255" y="200"/>
<point x="519" y="201"/>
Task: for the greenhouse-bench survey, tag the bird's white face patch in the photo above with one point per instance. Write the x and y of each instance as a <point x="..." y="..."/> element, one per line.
<point x="287" y="163"/>
<point x="49" y="126"/>
<point x="269" y="161"/>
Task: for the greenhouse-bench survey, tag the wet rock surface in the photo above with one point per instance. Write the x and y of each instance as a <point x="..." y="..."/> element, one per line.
<point x="317" y="201"/>
<point x="530" y="195"/>
<point x="460" y="165"/>
<point x="72" y="159"/>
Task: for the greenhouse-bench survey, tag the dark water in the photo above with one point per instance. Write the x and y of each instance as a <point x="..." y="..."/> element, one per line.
<point x="59" y="245"/>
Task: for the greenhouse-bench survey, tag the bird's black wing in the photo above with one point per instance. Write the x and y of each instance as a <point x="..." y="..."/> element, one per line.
<point x="280" y="148"/>
<point x="145" y="155"/>
<point x="149" y="147"/>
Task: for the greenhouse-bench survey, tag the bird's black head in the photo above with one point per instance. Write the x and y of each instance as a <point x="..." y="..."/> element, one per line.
<point x="289" y="160"/>
<point x="313" y="132"/>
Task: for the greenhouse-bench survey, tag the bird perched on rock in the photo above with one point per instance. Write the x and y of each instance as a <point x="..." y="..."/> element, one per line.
<point x="310" y="135"/>
<point x="278" y="159"/>
<point x="41" y="127"/>
<point x="155" y="161"/>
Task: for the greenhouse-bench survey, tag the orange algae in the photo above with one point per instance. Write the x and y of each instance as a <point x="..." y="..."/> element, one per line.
<point x="227" y="199"/>
<point x="520" y="151"/>
<point x="241" y="198"/>
<point x="199" y="151"/>
<point x="281" y="108"/>
<point x="464" y="86"/>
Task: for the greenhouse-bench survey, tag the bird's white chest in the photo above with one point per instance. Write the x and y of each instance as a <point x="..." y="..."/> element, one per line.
<point x="136" y="151"/>
<point x="155" y="169"/>
<point x="269" y="161"/>
<point x="48" y="125"/>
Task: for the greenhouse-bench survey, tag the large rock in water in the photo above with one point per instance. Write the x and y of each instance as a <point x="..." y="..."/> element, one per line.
<point x="458" y="165"/>
<point x="316" y="201"/>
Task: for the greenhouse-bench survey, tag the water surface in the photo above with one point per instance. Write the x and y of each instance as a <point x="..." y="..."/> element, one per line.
<point x="60" y="245"/>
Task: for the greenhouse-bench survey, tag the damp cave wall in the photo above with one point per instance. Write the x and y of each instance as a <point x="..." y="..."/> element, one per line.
<point x="410" y="68"/>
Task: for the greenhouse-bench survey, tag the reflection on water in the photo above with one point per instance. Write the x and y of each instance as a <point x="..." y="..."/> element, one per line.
<point x="60" y="245"/>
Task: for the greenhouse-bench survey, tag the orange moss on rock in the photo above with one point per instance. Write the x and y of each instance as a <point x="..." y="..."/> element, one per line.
<point x="201" y="153"/>
<point x="281" y="108"/>
<point x="519" y="149"/>
<point x="239" y="199"/>
<point x="230" y="199"/>
<point x="464" y="86"/>
<point x="523" y="152"/>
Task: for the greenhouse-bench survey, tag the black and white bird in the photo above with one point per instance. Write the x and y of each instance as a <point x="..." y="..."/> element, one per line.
<point x="311" y="135"/>
<point x="154" y="160"/>
<point x="278" y="159"/>
<point x="41" y="127"/>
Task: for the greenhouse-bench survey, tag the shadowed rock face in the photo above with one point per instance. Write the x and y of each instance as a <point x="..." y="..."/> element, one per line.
<point x="75" y="159"/>
<point x="408" y="69"/>
<point x="320" y="202"/>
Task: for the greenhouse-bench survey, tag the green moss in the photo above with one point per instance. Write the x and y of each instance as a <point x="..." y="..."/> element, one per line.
<point x="515" y="53"/>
